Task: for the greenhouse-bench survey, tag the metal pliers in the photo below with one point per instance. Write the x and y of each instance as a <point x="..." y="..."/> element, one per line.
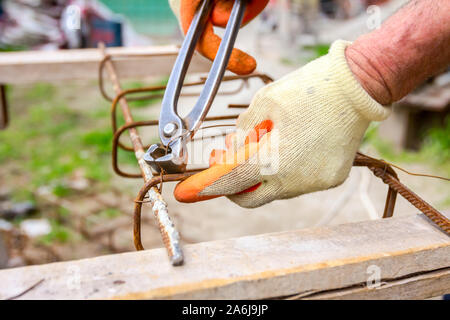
<point x="171" y="155"/>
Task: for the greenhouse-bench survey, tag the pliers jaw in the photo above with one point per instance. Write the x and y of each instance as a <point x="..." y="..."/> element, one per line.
<point x="172" y="159"/>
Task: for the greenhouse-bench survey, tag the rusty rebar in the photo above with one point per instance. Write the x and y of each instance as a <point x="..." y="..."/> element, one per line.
<point x="109" y="58"/>
<point x="4" y="114"/>
<point x="263" y="77"/>
<point x="391" y="197"/>
<point x="160" y="212"/>
<point x="434" y="215"/>
<point x="158" y="204"/>
<point x="385" y="172"/>
<point x="378" y="167"/>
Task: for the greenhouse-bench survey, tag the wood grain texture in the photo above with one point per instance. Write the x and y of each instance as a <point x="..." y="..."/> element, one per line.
<point x="421" y="286"/>
<point x="254" y="267"/>
<point x="53" y="66"/>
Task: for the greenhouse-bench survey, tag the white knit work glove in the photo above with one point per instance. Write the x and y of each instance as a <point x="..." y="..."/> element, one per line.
<point x="319" y="114"/>
<point x="240" y="62"/>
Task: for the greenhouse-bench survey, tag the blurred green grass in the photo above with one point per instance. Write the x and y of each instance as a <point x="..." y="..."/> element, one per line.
<point x="435" y="149"/>
<point x="58" y="133"/>
<point x="49" y="141"/>
<point x="50" y="138"/>
<point x="58" y="233"/>
<point x="307" y="53"/>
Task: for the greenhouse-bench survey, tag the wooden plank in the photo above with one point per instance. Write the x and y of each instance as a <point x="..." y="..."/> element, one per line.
<point x="32" y="66"/>
<point x="422" y="286"/>
<point x="253" y="267"/>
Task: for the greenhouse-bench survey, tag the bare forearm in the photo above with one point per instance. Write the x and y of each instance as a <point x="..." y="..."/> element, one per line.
<point x="410" y="46"/>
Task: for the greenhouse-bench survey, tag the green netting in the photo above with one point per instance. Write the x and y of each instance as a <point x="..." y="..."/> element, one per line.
<point x="152" y="17"/>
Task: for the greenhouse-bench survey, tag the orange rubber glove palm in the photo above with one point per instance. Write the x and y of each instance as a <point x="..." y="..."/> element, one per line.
<point x="240" y="62"/>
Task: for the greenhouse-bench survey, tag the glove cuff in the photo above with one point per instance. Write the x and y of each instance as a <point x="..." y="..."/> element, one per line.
<point x="351" y="88"/>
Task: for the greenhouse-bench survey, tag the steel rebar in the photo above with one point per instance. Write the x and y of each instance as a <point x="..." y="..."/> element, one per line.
<point x="159" y="207"/>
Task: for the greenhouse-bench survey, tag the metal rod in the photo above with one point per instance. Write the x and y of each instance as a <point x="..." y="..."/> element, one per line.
<point x="149" y="189"/>
<point x="4" y="116"/>
<point x="159" y="207"/>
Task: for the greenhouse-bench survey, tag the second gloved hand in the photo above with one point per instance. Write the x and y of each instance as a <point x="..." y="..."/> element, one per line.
<point x="314" y="120"/>
<point x="240" y="62"/>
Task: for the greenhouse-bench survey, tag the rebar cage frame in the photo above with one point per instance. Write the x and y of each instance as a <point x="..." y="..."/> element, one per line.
<point x="379" y="168"/>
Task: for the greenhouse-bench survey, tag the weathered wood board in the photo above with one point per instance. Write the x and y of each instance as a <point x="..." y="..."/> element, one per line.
<point x="52" y="66"/>
<point x="412" y="257"/>
<point x="421" y="286"/>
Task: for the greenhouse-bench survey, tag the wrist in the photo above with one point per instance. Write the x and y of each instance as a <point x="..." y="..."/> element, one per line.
<point x="349" y="87"/>
<point x="368" y="70"/>
<point x="408" y="48"/>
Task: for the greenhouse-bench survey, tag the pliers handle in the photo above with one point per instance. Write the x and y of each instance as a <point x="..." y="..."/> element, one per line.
<point x="171" y="154"/>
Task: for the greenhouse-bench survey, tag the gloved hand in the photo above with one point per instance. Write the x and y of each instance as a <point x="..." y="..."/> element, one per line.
<point x="313" y="121"/>
<point x="240" y="62"/>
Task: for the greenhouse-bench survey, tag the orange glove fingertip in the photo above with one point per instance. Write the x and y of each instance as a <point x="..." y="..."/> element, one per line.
<point x="217" y="156"/>
<point x="190" y="190"/>
<point x="240" y="62"/>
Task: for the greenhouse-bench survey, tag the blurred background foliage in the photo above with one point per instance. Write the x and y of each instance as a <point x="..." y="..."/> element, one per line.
<point x="51" y="140"/>
<point x="435" y="149"/>
<point x="150" y="17"/>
